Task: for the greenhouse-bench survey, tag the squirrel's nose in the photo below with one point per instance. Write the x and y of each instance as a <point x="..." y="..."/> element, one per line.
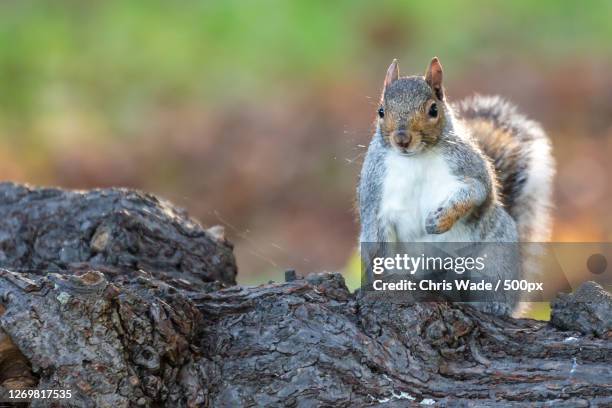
<point x="402" y="139"/>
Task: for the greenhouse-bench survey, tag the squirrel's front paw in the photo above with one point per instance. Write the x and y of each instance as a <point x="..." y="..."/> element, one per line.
<point x="438" y="221"/>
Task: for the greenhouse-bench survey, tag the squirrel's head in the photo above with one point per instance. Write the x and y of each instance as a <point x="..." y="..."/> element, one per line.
<point x="412" y="111"/>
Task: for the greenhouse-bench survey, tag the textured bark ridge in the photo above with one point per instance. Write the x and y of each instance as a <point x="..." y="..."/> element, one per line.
<point x="124" y="300"/>
<point x="310" y="342"/>
<point x="117" y="230"/>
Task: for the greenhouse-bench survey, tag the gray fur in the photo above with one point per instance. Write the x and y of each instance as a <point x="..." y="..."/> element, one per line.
<point x="528" y="161"/>
<point x="489" y="221"/>
<point x="369" y="191"/>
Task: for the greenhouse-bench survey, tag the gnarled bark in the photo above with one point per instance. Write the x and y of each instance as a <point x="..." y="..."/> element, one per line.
<point x="312" y="342"/>
<point x="105" y="314"/>
<point x="116" y="230"/>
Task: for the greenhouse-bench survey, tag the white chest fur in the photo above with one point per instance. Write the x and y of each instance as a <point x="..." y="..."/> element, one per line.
<point x="414" y="186"/>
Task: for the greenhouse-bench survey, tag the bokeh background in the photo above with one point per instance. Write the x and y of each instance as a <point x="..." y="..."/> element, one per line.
<point x="255" y="114"/>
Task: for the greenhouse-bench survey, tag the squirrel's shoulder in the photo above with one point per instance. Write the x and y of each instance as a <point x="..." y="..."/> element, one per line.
<point x="464" y="154"/>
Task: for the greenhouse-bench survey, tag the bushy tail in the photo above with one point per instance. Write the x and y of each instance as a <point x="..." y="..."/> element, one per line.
<point x="521" y="154"/>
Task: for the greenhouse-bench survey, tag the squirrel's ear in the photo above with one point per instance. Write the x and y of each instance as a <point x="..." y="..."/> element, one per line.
<point x="392" y="74"/>
<point x="433" y="77"/>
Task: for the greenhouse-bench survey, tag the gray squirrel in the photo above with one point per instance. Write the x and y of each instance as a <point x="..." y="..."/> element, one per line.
<point x="476" y="171"/>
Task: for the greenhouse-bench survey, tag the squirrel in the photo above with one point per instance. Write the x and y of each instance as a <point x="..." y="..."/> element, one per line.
<point x="476" y="171"/>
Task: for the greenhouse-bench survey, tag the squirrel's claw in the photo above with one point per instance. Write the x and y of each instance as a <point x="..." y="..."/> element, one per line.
<point x="437" y="222"/>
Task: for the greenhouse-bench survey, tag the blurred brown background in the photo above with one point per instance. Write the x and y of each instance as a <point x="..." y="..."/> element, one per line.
<point x="255" y="115"/>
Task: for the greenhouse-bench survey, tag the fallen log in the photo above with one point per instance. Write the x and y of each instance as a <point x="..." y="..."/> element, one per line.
<point x="46" y="230"/>
<point x="122" y="326"/>
<point x="310" y="342"/>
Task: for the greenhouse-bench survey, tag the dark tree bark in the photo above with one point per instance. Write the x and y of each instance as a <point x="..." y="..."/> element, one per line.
<point x="118" y="230"/>
<point x="311" y="342"/>
<point x="121" y="325"/>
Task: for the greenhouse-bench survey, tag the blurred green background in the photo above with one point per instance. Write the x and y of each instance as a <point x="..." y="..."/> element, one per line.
<point x="256" y="114"/>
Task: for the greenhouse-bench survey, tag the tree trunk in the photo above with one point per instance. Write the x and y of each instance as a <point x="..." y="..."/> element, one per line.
<point x="124" y="300"/>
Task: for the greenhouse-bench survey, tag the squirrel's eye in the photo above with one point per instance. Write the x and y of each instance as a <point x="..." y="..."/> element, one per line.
<point x="433" y="110"/>
<point x="381" y="112"/>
